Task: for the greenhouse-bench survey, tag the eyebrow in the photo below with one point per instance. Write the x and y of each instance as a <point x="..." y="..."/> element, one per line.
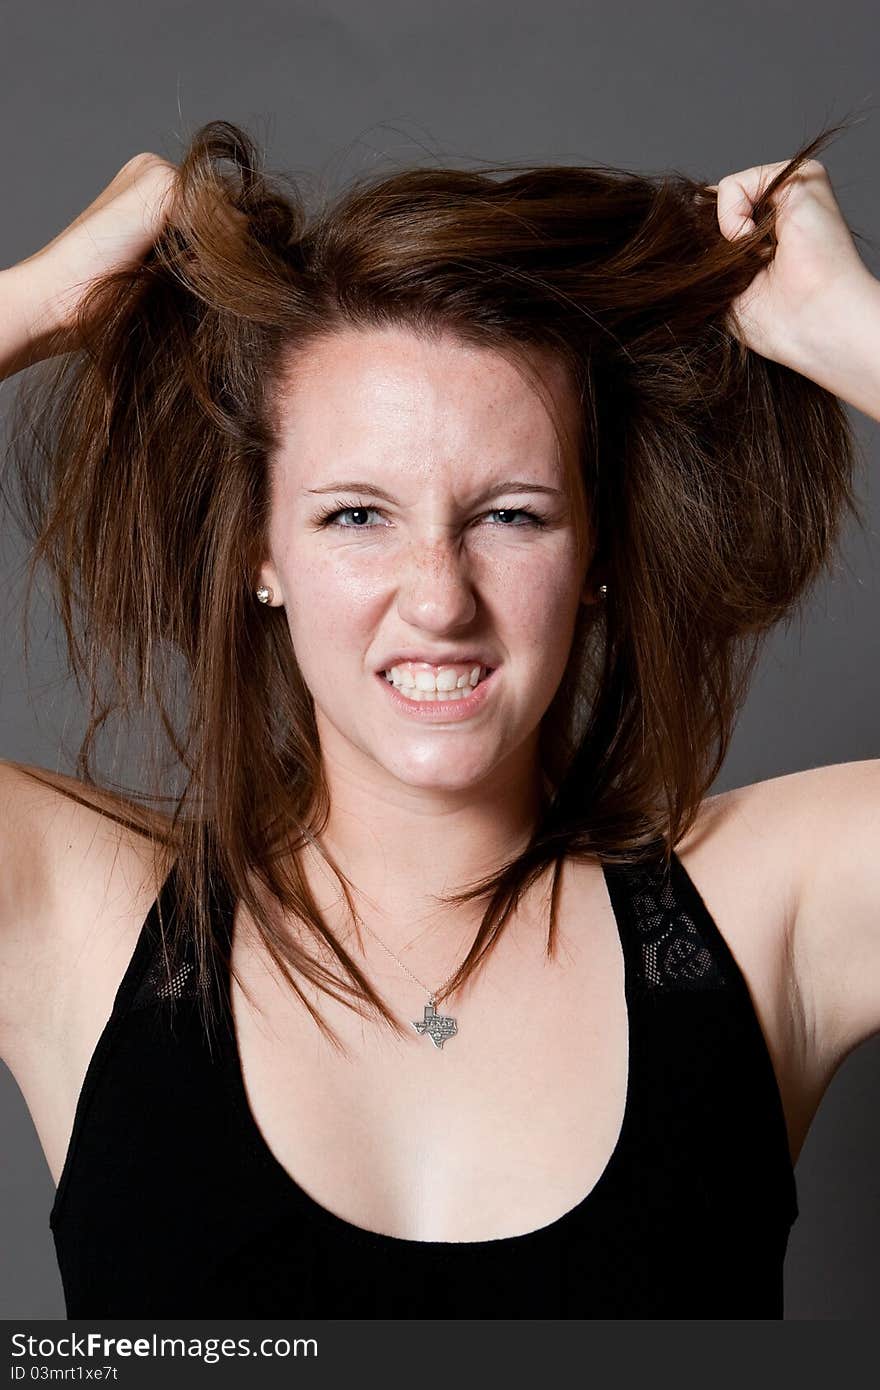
<point x="511" y="485"/>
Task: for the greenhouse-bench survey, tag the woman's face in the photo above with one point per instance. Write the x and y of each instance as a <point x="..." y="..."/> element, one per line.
<point x="432" y="459"/>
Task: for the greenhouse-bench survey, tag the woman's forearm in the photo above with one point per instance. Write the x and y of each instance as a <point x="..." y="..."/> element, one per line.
<point x="25" y="332"/>
<point x="844" y="355"/>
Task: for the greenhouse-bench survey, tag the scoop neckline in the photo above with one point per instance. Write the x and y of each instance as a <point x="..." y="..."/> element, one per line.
<point x="233" y="1073"/>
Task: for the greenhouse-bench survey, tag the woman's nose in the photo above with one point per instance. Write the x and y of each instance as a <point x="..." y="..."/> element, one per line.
<point x="435" y="589"/>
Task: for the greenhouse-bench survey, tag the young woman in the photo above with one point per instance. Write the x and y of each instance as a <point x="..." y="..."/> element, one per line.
<point x="417" y="975"/>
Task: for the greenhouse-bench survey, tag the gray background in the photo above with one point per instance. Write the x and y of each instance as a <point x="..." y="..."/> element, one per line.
<point x="333" y="88"/>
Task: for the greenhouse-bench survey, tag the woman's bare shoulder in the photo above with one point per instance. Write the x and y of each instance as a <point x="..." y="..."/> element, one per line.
<point x="740" y="855"/>
<point x="744" y="853"/>
<point x="68" y="863"/>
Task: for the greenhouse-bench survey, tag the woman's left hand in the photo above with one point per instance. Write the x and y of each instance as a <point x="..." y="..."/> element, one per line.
<point x="815" y="307"/>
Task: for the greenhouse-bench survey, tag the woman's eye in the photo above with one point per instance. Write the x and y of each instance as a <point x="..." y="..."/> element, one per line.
<point x="531" y="518"/>
<point x="348" y="511"/>
<point x="528" y="518"/>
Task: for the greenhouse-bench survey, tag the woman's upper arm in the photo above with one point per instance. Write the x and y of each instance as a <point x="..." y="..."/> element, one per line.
<point x="43" y="837"/>
<point x="68" y="869"/>
<point x="837" y="924"/>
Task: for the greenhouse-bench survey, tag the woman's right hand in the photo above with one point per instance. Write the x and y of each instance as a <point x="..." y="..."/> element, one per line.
<point x="40" y="295"/>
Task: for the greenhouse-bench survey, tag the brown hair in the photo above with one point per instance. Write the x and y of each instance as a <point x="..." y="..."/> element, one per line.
<point x="712" y="480"/>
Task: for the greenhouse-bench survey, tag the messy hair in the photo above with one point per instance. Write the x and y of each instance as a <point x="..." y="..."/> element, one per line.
<point x="710" y="483"/>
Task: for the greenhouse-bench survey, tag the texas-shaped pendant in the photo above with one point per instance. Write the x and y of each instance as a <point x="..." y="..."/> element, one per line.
<point x="438" y="1027"/>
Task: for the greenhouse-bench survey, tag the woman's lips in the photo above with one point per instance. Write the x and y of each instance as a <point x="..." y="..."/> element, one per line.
<point x="442" y="710"/>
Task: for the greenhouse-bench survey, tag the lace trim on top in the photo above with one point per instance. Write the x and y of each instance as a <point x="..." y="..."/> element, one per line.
<point x="667" y="949"/>
<point x="672" y="953"/>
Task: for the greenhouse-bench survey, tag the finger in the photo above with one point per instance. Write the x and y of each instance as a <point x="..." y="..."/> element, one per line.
<point x="737" y="195"/>
<point x="735" y="207"/>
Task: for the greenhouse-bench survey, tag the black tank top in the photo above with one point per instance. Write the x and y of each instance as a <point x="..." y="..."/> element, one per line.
<point x="171" y="1204"/>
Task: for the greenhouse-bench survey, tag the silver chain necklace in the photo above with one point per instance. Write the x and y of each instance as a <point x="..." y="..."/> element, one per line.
<point x="438" y="1027"/>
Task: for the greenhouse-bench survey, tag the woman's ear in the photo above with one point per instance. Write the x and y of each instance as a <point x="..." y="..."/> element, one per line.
<point x="593" y="593"/>
<point x="268" y="586"/>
